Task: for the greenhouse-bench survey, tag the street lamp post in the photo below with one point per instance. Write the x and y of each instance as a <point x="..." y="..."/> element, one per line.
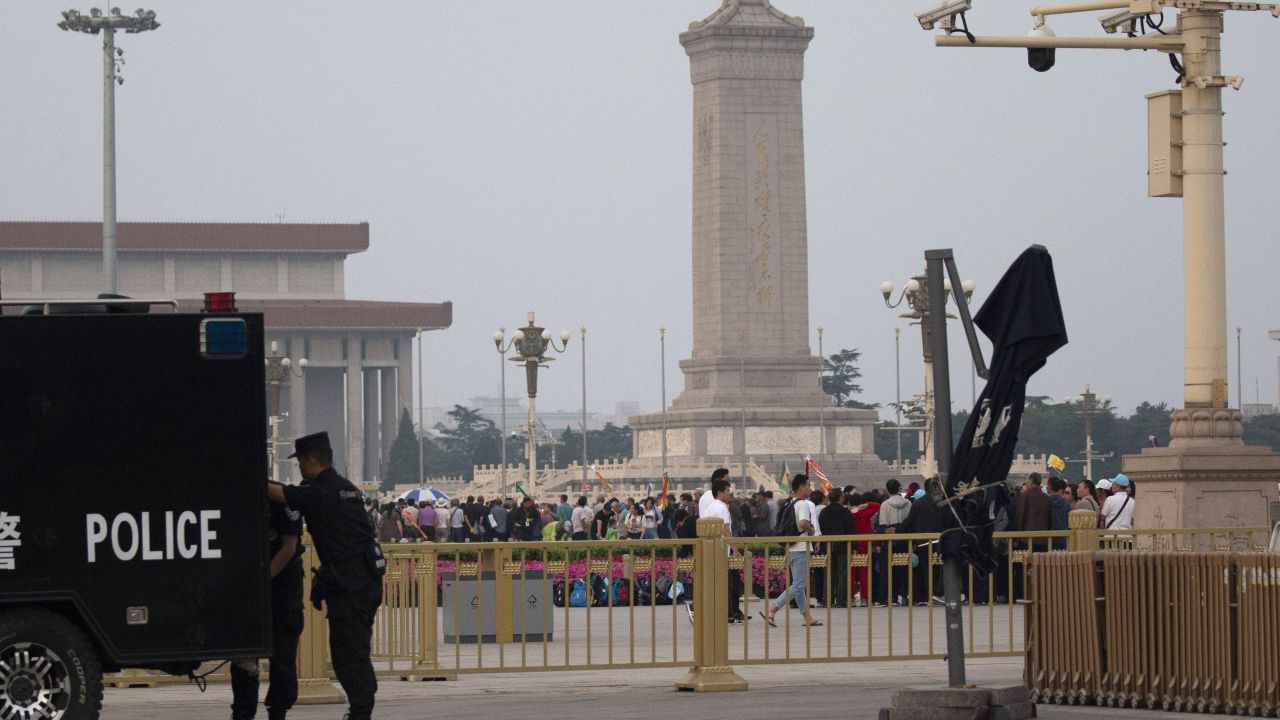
<point x="584" y="405"/>
<point x="500" y="341"/>
<point x="107" y="24"/>
<point x="531" y="344"/>
<point x="915" y="293"/>
<point x="1086" y="405"/>
<point x="897" y="393"/>
<point x="422" y="465"/>
<point x="822" y="424"/>
<point x="662" y="343"/>
<point x="279" y="369"/>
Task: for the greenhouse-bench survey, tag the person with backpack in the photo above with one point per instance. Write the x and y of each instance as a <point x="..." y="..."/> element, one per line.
<point x="795" y="517"/>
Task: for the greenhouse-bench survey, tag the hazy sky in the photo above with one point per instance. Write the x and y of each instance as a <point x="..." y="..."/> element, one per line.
<point x="515" y="156"/>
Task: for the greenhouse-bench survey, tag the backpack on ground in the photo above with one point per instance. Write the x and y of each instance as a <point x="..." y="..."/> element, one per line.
<point x="578" y="595"/>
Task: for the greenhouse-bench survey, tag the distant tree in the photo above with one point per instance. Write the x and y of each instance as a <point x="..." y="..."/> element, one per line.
<point x="473" y="440"/>
<point x="402" y="465"/>
<point x="609" y="443"/>
<point x="1263" y="430"/>
<point x="839" y="379"/>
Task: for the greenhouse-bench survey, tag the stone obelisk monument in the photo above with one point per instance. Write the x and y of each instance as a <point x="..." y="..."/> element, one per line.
<point x="752" y="388"/>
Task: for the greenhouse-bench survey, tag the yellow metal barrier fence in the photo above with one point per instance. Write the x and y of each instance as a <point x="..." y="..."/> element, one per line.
<point x="1177" y="631"/>
<point x="451" y="609"/>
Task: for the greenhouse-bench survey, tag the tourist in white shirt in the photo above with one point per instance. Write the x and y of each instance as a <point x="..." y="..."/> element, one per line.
<point x="705" y="498"/>
<point x="1117" y="511"/>
<point x="801" y="522"/>
<point x="721" y="493"/>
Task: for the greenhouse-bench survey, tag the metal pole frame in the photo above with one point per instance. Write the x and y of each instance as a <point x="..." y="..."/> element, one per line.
<point x="584" y="406"/>
<point x="109" y="273"/>
<point x="936" y="263"/>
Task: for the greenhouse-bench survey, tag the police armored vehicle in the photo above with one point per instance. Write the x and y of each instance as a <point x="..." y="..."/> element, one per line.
<point x="133" y="508"/>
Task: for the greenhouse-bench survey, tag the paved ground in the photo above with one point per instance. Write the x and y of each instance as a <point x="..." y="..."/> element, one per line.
<point x="851" y="690"/>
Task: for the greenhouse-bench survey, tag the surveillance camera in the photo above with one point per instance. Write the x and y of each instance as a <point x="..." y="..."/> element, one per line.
<point x="1041" y="59"/>
<point x="942" y="12"/>
<point x="1123" y="21"/>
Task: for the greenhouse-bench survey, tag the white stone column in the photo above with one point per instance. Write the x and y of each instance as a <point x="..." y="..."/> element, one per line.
<point x="390" y="408"/>
<point x="355" y="409"/>
<point x="372" y="447"/>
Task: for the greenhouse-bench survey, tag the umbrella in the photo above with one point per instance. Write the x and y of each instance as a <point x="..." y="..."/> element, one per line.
<point x="424" y="494"/>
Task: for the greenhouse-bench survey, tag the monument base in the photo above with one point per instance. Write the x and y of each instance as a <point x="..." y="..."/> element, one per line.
<point x="841" y="439"/>
<point x="1207" y="477"/>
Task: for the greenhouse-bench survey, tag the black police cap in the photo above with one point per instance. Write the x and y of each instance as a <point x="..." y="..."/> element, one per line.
<point x="310" y="443"/>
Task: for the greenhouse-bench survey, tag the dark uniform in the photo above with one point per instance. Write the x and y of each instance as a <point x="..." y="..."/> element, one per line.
<point x="350" y="577"/>
<point x="286" y="626"/>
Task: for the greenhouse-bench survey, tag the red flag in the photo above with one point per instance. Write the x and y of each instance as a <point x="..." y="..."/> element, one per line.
<point x="601" y="478"/>
<point x="666" y="486"/>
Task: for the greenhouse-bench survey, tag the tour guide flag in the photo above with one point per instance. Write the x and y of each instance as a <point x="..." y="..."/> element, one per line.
<point x="600" y="477"/>
<point x="812" y="466"/>
<point x="666" y="486"/>
<point x="520" y="490"/>
<point x="1023" y="319"/>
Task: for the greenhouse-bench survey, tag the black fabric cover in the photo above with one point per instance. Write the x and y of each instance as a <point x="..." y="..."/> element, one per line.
<point x="1023" y="320"/>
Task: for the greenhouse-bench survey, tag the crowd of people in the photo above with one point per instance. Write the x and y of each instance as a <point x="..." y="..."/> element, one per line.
<point x="1039" y="505"/>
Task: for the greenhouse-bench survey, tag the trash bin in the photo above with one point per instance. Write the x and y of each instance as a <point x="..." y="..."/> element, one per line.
<point x="470" y="609"/>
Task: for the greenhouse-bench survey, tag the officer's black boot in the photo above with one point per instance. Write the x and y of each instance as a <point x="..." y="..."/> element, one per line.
<point x="276" y="713"/>
<point x="237" y="714"/>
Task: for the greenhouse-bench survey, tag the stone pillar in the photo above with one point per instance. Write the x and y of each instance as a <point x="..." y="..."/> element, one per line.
<point x="372" y="444"/>
<point x="390" y="409"/>
<point x="404" y="378"/>
<point x="750" y="244"/>
<point x="355" y="410"/>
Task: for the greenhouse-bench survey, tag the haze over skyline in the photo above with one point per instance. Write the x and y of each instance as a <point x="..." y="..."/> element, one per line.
<point x="536" y="156"/>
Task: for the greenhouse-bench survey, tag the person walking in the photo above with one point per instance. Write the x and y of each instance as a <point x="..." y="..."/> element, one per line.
<point x="795" y="517"/>
<point x="286" y="625"/>
<point x="351" y="565"/>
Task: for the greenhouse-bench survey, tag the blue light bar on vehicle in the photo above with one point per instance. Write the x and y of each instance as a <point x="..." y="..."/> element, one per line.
<point x="223" y="339"/>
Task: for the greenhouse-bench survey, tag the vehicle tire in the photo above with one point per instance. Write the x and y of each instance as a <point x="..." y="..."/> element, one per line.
<point x="48" y="668"/>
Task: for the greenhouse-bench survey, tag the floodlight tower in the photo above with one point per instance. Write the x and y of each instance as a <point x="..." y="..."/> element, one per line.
<point x="112" y="58"/>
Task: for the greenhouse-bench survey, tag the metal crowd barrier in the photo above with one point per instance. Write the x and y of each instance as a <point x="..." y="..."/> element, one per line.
<point x="1177" y="631"/>
<point x="459" y="608"/>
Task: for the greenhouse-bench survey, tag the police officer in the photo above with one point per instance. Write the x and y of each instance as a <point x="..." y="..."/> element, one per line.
<point x="350" y="578"/>
<point x="286" y="625"/>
